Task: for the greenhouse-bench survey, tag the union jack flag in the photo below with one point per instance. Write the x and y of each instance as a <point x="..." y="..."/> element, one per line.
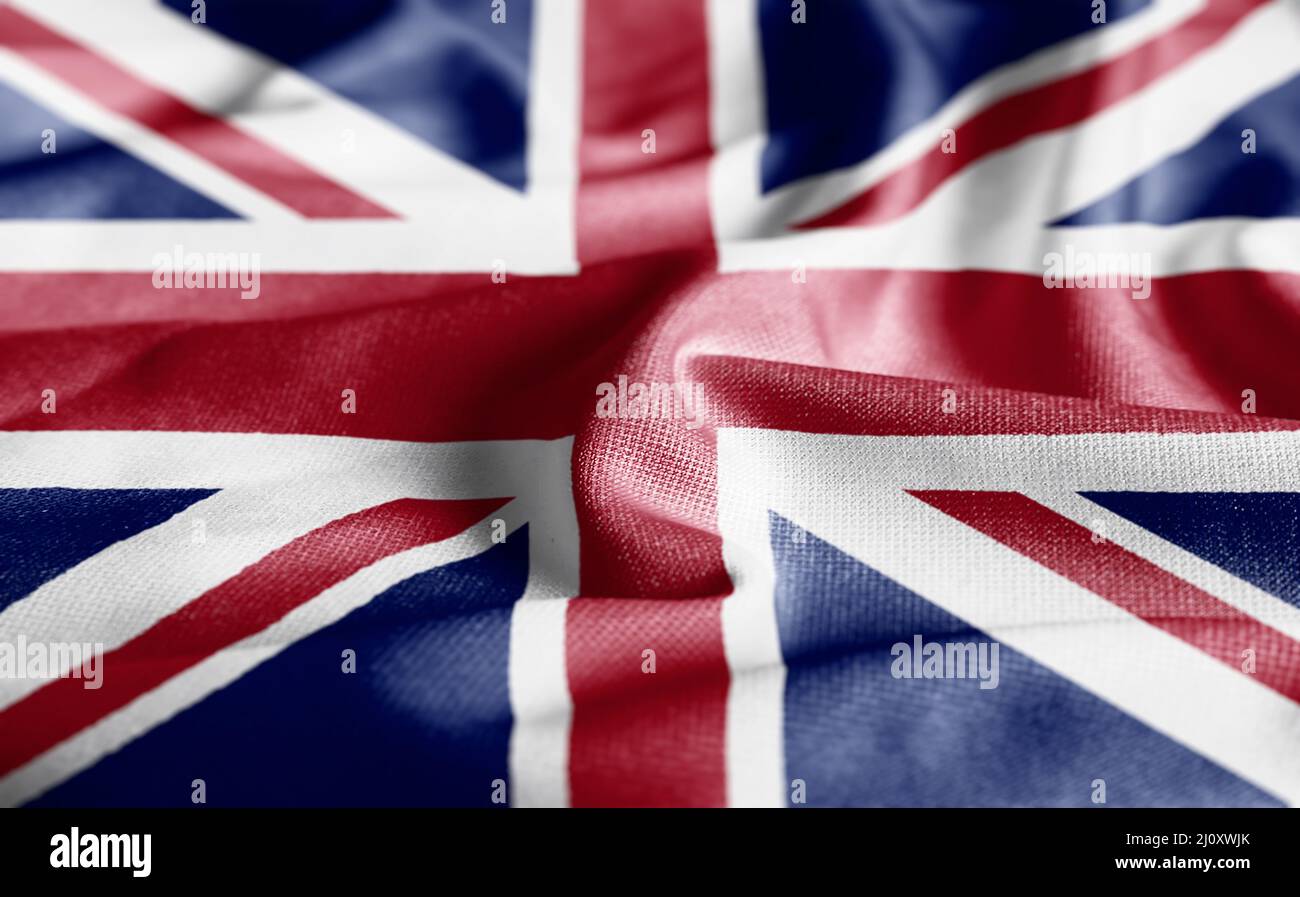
<point x="675" y="403"/>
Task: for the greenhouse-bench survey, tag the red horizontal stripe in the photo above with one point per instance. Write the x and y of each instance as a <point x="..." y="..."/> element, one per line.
<point x="802" y="398"/>
<point x="254" y="162"/>
<point x="1128" y="581"/>
<point x="458" y="357"/>
<point x="242" y="606"/>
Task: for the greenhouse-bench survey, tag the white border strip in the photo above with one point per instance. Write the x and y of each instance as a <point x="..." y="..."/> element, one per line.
<point x="755" y="740"/>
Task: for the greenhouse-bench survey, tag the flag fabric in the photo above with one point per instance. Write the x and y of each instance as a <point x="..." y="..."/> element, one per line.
<point x="688" y="403"/>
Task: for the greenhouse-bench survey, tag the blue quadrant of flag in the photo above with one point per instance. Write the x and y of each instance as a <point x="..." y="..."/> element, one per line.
<point x="856" y="75"/>
<point x="45" y="532"/>
<point x="424" y="720"/>
<point x="446" y="71"/>
<point x="857" y="736"/>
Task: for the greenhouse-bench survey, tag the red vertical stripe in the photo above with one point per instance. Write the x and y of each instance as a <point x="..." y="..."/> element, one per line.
<point x="240" y="607"/>
<point x="645" y="67"/>
<point x="644" y="738"/>
<point x="1129" y="581"/>
<point x="652" y="572"/>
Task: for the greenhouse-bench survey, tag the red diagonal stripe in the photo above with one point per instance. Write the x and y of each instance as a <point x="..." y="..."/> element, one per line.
<point x="1127" y="580"/>
<point x="240" y="607"/>
<point x="258" y="164"/>
<point x="1050" y="107"/>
